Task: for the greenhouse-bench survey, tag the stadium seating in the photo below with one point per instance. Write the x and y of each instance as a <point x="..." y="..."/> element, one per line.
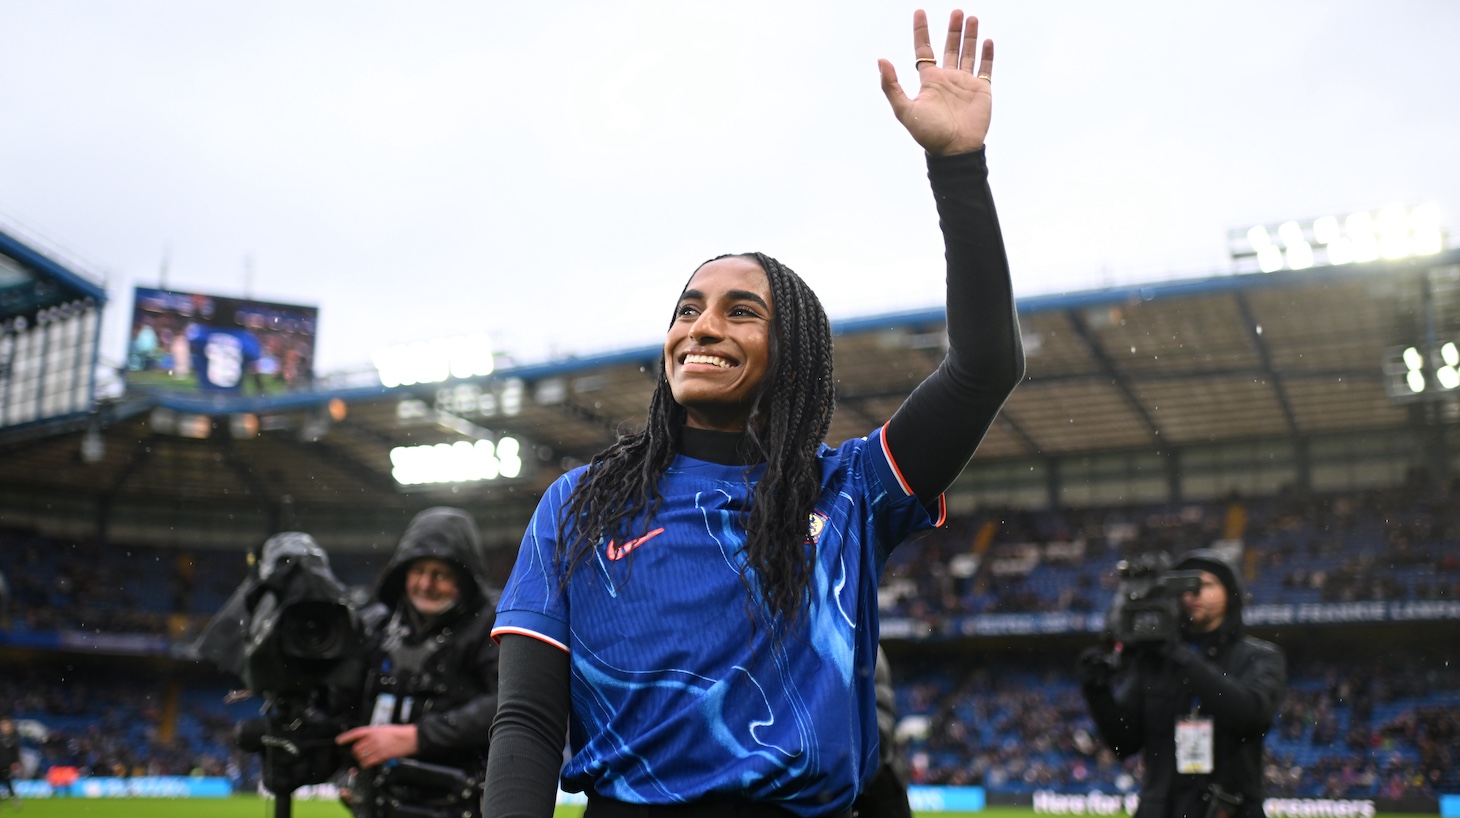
<point x="1018" y="728"/>
<point x="1345" y="730"/>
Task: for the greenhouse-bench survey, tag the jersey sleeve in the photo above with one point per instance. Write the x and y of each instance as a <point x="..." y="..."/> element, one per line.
<point x="534" y="604"/>
<point x="896" y="511"/>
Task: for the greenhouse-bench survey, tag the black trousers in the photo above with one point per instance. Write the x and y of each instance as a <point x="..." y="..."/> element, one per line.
<point x="885" y="797"/>
<point x="609" y="808"/>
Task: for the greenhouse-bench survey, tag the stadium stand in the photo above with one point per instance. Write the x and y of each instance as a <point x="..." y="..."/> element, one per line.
<point x="1381" y="731"/>
<point x="1239" y="408"/>
<point x="1013" y="724"/>
<point x="1364" y="547"/>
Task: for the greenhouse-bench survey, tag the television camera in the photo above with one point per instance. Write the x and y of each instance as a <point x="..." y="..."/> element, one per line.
<point x="1146" y="609"/>
<point x="291" y="633"/>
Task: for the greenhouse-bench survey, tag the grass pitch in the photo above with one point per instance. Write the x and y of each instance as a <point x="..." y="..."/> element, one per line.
<point x="248" y="806"/>
<point x="241" y="806"/>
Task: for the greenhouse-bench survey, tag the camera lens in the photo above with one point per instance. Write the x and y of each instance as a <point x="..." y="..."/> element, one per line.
<point x="1148" y="623"/>
<point x="313" y="630"/>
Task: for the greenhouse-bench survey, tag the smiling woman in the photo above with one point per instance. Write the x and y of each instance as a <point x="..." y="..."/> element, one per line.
<point x="697" y="607"/>
<point x="718" y="347"/>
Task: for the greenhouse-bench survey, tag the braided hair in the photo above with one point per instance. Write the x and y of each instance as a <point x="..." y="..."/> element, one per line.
<point x="785" y="428"/>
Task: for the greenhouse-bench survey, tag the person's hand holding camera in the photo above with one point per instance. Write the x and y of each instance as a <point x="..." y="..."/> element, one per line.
<point x="1178" y="653"/>
<point x="376" y="744"/>
<point x="1095" y="665"/>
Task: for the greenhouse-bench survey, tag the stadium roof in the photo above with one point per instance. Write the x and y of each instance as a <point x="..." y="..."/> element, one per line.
<point x="1221" y="359"/>
<point x="30" y="280"/>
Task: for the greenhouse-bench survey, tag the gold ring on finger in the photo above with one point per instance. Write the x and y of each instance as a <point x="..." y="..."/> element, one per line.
<point x="921" y="60"/>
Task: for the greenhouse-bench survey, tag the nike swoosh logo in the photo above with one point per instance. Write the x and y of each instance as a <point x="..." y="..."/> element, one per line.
<point x="621" y="551"/>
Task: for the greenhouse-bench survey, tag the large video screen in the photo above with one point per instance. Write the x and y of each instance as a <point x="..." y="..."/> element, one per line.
<point x="212" y="343"/>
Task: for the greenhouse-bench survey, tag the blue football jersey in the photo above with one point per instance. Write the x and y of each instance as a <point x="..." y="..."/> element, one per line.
<point x="675" y="697"/>
<point x="222" y="356"/>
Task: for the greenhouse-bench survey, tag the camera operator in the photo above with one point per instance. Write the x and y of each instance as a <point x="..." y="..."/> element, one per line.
<point x="431" y="684"/>
<point x="1198" y="704"/>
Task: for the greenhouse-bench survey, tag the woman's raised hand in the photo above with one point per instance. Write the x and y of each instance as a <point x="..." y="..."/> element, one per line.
<point x="951" y="112"/>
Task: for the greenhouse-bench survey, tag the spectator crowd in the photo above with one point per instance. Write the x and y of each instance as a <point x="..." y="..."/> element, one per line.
<point x="1381" y="726"/>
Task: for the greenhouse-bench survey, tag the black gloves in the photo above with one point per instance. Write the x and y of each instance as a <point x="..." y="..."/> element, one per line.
<point x="1095" y="666"/>
<point x="1179" y="654"/>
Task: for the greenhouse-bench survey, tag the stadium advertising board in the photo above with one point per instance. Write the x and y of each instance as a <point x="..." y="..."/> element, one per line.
<point x="221" y="345"/>
<point x="145" y="786"/>
<point x="1048" y="802"/>
<point x="946" y="799"/>
<point x="1063" y="622"/>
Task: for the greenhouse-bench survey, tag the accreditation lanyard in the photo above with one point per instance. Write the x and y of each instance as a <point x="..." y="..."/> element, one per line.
<point x="389" y="710"/>
<point x="1194" y="737"/>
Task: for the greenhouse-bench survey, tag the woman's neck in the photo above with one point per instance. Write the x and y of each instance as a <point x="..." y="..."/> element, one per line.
<point x="724" y="448"/>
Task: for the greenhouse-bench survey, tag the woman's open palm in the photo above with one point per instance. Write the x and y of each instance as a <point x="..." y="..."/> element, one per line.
<point x="951" y="111"/>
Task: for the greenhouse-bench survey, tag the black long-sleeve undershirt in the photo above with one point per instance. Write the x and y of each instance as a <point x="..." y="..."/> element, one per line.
<point x="530" y="730"/>
<point x="932" y="436"/>
<point x="935" y="432"/>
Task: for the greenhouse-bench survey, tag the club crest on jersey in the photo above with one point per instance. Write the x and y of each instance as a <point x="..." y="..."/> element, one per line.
<point x="818" y="525"/>
<point x="618" y="552"/>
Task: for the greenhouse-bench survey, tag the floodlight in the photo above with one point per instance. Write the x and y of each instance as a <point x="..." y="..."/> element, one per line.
<point x="430" y="361"/>
<point x="1363" y="236"/>
<point x="435" y="361"/>
<point x="1291" y="233"/>
<point x="1426" y="243"/>
<point x="1426" y="237"/>
<point x="1366" y="248"/>
<point x="1341" y="251"/>
<point x="385" y="364"/>
<point x="1300" y="255"/>
<point x="509" y="457"/>
<point x="1359" y="224"/>
<point x="1450" y="354"/>
<point x="471" y="356"/>
<point x="1448" y="377"/>
<point x="1414" y="362"/>
<point x="1270" y="258"/>
<point x="403" y="461"/>
<point x="1425" y="215"/>
<point x="459" y="462"/>
<point x="1360" y="230"/>
<point x="1393" y="229"/>
<point x="1413" y="359"/>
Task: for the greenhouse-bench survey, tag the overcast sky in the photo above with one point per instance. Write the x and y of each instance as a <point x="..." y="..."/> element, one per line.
<point x="551" y="172"/>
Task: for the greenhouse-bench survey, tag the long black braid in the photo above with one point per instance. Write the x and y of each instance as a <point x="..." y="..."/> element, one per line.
<point x="785" y="428"/>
